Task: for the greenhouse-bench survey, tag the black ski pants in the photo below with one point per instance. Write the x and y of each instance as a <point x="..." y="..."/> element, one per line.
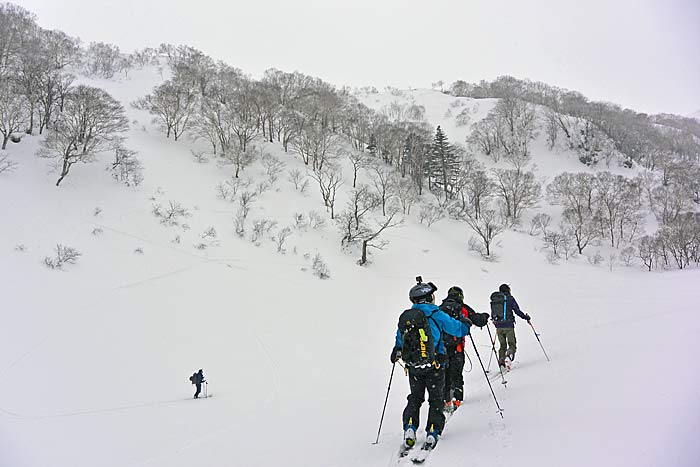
<point x="432" y="380"/>
<point x="454" y="379"/>
<point x="199" y="389"/>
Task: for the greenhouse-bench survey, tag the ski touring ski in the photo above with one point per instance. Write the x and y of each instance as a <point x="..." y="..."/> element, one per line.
<point x="422" y="455"/>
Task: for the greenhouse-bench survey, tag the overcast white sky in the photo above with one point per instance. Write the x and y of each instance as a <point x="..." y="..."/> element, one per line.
<point x="642" y="54"/>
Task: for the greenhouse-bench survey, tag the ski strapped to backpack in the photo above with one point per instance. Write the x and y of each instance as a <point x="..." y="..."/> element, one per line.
<point x="417" y="344"/>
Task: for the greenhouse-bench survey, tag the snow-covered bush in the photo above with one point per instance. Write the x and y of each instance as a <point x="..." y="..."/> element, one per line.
<point x="126" y="168"/>
<point x="316" y="220"/>
<point x="228" y="189"/>
<point x="273" y="167"/>
<point x="281" y="237"/>
<point x="319" y="267"/>
<point x="260" y="228"/>
<point x="430" y="214"/>
<point x="172" y="214"/>
<point x="627" y="255"/>
<point x="596" y="259"/>
<point x="64" y="255"/>
<point x="7" y="164"/>
<point x="200" y="156"/>
<point x="539" y="224"/>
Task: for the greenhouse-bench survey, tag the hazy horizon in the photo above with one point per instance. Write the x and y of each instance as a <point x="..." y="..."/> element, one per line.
<point x="638" y="54"/>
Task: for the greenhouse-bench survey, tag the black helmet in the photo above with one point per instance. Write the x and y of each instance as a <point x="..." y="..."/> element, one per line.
<point x="504" y="288"/>
<point x="422" y="293"/>
<point x="456" y="292"/>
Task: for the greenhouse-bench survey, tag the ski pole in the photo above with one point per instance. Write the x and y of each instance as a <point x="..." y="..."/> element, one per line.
<point x="385" y="401"/>
<point x="500" y="410"/>
<point x="493" y="352"/>
<point x="538" y="340"/>
<point x="493" y="347"/>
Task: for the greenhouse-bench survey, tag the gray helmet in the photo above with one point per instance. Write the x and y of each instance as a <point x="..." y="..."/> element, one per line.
<point x="422" y="293"/>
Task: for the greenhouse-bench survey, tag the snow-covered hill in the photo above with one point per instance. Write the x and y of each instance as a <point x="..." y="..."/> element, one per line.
<point x="96" y="358"/>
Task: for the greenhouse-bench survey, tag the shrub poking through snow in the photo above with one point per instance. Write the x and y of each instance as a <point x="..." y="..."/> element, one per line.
<point x="172" y="214"/>
<point x="319" y="267"/>
<point x="64" y="255"/>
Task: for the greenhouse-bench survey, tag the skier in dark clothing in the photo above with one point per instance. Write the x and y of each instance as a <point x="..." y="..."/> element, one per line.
<point x="503" y="311"/>
<point x="197" y="379"/>
<point x="431" y="376"/>
<point x="454" y="306"/>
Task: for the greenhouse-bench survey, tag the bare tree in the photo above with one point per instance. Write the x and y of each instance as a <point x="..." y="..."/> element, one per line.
<point x="647" y="251"/>
<point x="406" y="193"/>
<point x="352" y="219"/>
<point x="102" y="59"/>
<point x="517" y="190"/>
<point x="478" y="190"/>
<point x="329" y="179"/>
<point x="126" y="168"/>
<point x="173" y="103"/>
<point x="487" y="226"/>
<point x="359" y="160"/>
<point x="239" y="158"/>
<point x="13" y="114"/>
<point x="372" y="236"/>
<point x="668" y="202"/>
<point x="90" y="123"/>
<point x="539" y="223"/>
<point x="316" y="145"/>
<point x="618" y="203"/>
<point x="6" y="164"/>
<point x="580" y="226"/>
<point x="273" y="167"/>
<point x="383" y="181"/>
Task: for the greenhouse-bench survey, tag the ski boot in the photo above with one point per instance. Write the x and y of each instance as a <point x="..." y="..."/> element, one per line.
<point x="409" y="437"/>
<point x="430" y="441"/>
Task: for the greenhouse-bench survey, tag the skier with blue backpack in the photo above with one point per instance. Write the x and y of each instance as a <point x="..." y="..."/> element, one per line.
<point x="503" y="311"/>
<point x="420" y="344"/>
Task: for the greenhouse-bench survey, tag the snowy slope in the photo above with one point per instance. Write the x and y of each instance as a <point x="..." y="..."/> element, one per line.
<point x="96" y="357"/>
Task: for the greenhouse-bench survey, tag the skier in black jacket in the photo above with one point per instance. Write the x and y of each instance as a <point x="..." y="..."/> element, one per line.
<point x="503" y="311"/>
<point x="198" y="379"/>
<point x="454" y="306"/>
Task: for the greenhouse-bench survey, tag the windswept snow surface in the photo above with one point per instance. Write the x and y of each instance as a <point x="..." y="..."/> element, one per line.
<point x="95" y="359"/>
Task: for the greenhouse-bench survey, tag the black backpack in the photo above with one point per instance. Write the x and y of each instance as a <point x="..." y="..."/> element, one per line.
<point x="452" y="308"/>
<point x="500" y="311"/>
<point x="418" y="347"/>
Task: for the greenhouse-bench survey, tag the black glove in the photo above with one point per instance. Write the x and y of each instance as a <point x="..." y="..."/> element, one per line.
<point x="480" y="319"/>
<point x="466" y="321"/>
<point x="395" y="355"/>
<point x="527" y="317"/>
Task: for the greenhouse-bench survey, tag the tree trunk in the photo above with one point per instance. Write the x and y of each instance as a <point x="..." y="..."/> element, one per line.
<point x="363" y="260"/>
<point x="5" y="138"/>
<point x="64" y="171"/>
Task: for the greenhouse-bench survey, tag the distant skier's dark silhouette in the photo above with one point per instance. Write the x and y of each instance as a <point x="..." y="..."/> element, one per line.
<point x="197" y="379"/>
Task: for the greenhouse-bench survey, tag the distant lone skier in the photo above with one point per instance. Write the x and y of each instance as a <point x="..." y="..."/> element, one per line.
<point x="197" y="379"/>
<point x="420" y="344"/>
<point x="454" y="306"/>
<point x="503" y="311"/>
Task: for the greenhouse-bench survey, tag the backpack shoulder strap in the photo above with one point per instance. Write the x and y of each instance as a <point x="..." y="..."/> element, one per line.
<point x="430" y="317"/>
